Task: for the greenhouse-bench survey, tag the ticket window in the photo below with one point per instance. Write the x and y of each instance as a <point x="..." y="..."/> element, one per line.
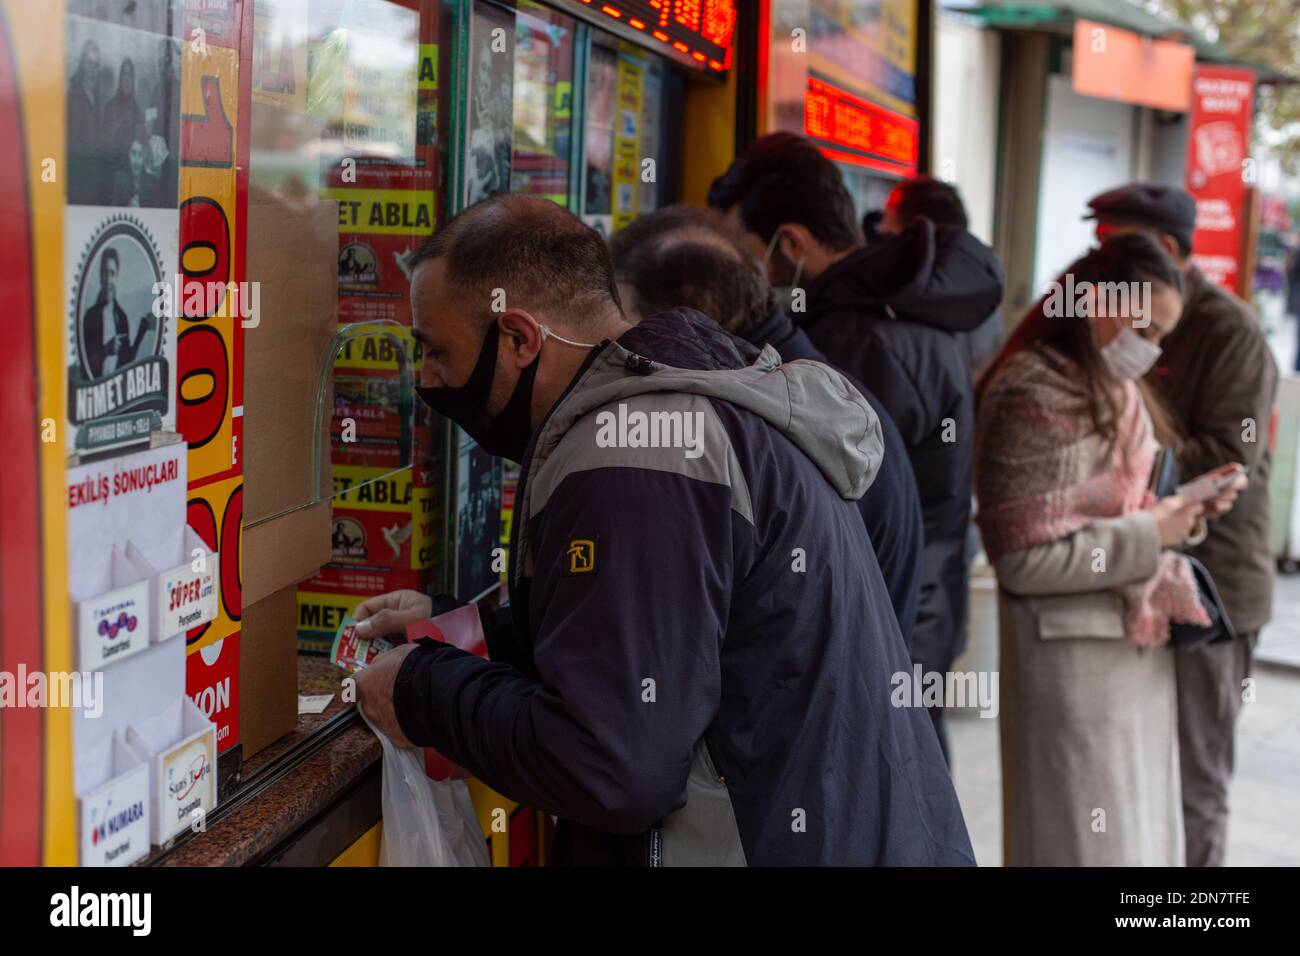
<point x="347" y="165"/>
<point x="344" y="161"/>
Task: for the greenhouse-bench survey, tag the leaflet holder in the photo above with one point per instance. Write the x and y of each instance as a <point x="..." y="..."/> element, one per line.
<point x="180" y="744"/>
<point x="113" y="804"/>
<point x="116" y="624"/>
<point x="184" y="596"/>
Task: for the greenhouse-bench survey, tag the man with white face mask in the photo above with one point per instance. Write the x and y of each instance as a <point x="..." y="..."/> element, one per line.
<point x="1218" y="377"/>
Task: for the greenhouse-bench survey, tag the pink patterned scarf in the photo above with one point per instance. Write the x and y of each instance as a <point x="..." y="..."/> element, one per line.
<point x="1043" y="472"/>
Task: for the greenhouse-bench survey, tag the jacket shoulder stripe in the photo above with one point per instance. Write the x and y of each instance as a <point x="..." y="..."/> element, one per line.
<point x="673" y="432"/>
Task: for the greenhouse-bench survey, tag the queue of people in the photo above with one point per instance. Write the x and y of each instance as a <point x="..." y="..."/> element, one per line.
<point x="789" y="532"/>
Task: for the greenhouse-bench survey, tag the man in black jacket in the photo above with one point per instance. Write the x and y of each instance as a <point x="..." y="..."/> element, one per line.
<point x="706" y="648"/>
<point x="928" y="198"/>
<point x="885" y="313"/>
<point x="687" y="256"/>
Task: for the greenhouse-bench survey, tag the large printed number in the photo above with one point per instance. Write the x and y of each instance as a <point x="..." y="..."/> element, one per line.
<point x="205" y="257"/>
<point x="199" y="516"/>
<point x="209" y="139"/>
<point x="201" y="354"/>
<point x="232" y="584"/>
<point x="225" y="542"/>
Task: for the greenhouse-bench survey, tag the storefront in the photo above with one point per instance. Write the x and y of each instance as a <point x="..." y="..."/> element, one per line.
<point x="210" y="245"/>
<point x="208" y="281"/>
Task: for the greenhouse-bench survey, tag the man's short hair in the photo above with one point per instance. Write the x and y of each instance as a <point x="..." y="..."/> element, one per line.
<point x="933" y="198"/>
<point x="687" y="256"/>
<point x="542" y="257"/>
<point x="110" y="254"/>
<point x="785" y="178"/>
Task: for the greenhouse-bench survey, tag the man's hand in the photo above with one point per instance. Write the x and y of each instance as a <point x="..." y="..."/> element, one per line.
<point x="390" y="613"/>
<point x="375" y="693"/>
<point x="1220" y="504"/>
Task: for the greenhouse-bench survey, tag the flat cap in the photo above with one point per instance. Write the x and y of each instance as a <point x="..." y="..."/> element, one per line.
<point x="1156" y="205"/>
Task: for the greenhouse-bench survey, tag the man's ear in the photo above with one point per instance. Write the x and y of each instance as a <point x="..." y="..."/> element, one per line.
<point x="1170" y="245"/>
<point x="793" y="241"/>
<point x="520" y="336"/>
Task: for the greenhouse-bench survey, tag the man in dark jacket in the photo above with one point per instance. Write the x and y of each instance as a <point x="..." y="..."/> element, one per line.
<point x="687" y="256"/>
<point x="941" y="203"/>
<point x="706" y="644"/>
<point x="1219" y="379"/>
<point x="885" y="313"/>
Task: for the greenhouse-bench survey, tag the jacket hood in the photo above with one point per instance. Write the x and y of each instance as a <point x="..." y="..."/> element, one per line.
<point x="772" y="329"/>
<point x="935" y="275"/>
<point x="812" y="404"/>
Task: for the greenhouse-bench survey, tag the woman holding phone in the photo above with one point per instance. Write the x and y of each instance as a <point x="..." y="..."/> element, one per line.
<point x="1066" y="441"/>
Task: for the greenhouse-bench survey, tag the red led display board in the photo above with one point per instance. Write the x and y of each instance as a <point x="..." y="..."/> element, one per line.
<point x="853" y="130"/>
<point x="697" y="33"/>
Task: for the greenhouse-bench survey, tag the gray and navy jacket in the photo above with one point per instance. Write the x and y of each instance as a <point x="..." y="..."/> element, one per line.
<point x="705" y="648"/>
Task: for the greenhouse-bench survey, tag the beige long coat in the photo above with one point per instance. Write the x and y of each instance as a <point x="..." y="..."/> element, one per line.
<point x="1088" y="719"/>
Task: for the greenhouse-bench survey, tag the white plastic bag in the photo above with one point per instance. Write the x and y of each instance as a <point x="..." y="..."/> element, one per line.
<point x="426" y="822"/>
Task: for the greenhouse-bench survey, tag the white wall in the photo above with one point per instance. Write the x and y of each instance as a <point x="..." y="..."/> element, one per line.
<point x="967" y="64"/>
<point x="1088" y="148"/>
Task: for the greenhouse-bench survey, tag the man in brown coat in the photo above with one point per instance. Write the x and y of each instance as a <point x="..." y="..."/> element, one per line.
<point x="1220" y="381"/>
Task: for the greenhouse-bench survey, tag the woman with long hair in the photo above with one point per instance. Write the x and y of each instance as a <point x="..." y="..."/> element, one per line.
<point x="1066" y="442"/>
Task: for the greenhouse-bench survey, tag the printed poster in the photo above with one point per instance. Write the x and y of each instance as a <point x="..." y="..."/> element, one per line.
<point x="1219" y="143"/>
<point x="121" y="230"/>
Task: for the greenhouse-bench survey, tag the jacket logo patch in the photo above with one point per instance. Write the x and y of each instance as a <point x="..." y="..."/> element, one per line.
<point x="580" y="557"/>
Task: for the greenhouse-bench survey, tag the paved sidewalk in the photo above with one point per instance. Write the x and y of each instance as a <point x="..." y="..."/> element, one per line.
<point x="1279" y="642"/>
<point x="1265" y="797"/>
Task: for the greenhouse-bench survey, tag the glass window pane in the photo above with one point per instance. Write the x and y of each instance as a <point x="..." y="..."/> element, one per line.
<point x="543" y="98"/>
<point x="598" y="177"/>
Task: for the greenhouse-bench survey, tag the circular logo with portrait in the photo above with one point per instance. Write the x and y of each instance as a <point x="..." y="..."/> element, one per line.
<point x="116" y="320"/>
<point x="119" y="377"/>
<point x="358" y="265"/>
<point x="347" y="539"/>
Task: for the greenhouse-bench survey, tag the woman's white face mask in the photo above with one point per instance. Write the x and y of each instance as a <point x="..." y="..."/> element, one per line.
<point x="784" y="294"/>
<point x="1128" y="356"/>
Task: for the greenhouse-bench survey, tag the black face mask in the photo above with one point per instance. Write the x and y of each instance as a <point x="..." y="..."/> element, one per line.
<point x="505" y="436"/>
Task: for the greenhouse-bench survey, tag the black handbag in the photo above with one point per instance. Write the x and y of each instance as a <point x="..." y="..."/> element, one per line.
<point x="1187" y="637"/>
<point x="1164" y="479"/>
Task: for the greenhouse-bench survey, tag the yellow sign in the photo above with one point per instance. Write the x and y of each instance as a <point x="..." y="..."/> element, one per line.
<point x="378" y="351"/>
<point x="390" y="212"/>
<point x="376" y="489"/>
<point x="627" y="141"/>
<point x="428" y="66"/>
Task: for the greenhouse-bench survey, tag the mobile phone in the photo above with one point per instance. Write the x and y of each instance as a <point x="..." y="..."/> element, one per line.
<point x="1206" y="486"/>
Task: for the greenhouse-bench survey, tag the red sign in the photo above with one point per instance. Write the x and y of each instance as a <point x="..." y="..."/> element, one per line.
<point x="1219" y="144"/>
<point x="212" y="680"/>
<point x="866" y="133"/>
<point x="695" y="32"/>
